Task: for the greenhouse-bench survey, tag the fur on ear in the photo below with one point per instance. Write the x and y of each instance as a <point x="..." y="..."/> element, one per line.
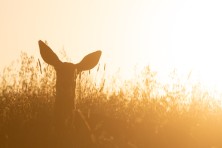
<point x="48" y="55"/>
<point x="89" y="61"/>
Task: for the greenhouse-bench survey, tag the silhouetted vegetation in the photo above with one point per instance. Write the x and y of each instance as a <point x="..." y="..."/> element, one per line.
<point x="140" y="114"/>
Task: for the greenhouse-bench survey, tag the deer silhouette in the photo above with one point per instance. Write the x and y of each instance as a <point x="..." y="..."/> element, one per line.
<point x="66" y="74"/>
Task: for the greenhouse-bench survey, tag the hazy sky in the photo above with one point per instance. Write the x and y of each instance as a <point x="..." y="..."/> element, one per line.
<point x="165" y="34"/>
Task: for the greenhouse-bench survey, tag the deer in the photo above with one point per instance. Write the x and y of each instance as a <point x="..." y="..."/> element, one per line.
<point x="66" y="75"/>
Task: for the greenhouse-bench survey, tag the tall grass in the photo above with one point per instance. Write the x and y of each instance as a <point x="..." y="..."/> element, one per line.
<point x="141" y="113"/>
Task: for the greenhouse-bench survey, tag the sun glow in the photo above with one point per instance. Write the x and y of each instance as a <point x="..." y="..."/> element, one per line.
<point x="180" y="35"/>
<point x="166" y="35"/>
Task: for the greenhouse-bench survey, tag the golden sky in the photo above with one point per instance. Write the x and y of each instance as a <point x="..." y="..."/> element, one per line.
<point x="165" y="34"/>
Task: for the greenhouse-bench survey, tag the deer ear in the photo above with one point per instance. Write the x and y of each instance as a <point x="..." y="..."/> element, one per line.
<point x="89" y="61"/>
<point x="48" y="55"/>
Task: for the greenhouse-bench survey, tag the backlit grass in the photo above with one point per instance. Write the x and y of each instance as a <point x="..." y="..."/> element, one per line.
<point x="141" y="113"/>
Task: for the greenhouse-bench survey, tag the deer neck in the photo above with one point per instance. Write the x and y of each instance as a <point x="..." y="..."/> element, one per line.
<point x="65" y="88"/>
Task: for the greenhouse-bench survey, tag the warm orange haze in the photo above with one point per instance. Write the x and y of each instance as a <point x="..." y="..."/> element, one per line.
<point x="110" y="73"/>
<point x="163" y="34"/>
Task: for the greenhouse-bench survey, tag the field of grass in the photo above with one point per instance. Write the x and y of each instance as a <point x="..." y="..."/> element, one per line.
<point x="140" y="114"/>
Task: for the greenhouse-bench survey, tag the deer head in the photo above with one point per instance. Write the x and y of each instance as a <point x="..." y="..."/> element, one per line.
<point x="66" y="74"/>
